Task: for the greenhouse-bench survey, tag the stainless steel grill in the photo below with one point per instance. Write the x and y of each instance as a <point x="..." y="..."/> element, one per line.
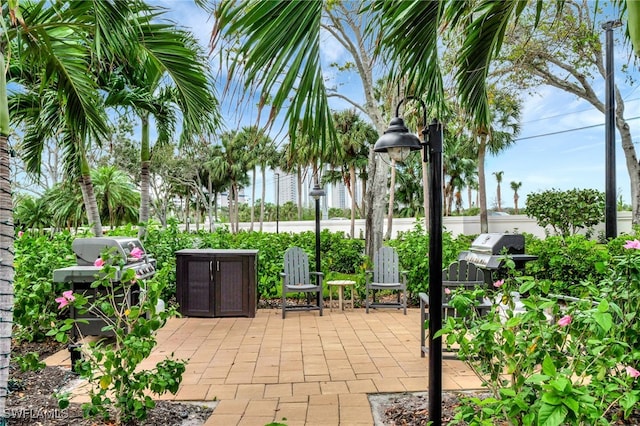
<point x="87" y="250"/>
<point x="80" y="276"/>
<point x="488" y="251"/>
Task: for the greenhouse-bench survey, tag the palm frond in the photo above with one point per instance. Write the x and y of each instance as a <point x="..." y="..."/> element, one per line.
<point x="280" y="46"/>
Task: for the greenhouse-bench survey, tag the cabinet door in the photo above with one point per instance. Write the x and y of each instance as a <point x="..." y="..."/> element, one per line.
<point x="231" y="286"/>
<point x="195" y="287"/>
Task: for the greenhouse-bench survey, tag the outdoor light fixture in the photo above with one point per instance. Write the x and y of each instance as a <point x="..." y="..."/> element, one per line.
<point x="398" y="142"/>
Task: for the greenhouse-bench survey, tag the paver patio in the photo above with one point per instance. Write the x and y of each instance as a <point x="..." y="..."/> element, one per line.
<point x="304" y="370"/>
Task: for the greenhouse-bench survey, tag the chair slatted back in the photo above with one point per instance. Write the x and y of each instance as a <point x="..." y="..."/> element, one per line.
<point x="296" y="266"/>
<point x="462" y="271"/>
<point x="386" y="266"/>
<point x="460" y="274"/>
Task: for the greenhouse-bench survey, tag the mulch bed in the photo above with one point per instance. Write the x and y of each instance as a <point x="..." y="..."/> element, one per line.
<point x="31" y="400"/>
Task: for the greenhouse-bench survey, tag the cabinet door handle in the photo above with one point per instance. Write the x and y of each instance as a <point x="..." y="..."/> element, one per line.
<point x="217" y="266"/>
<point x="211" y="270"/>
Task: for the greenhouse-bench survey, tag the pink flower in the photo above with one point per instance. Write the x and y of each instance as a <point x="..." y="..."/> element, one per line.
<point x="498" y="283"/>
<point x="99" y="262"/>
<point x="137" y="253"/>
<point x="64" y="300"/>
<point x="632" y="372"/>
<point x="68" y="295"/>
<point x="564" y="321"/>
<point x="447" y="290"/>
<point x="20" y="234"/>
<point x="635" y="244"/>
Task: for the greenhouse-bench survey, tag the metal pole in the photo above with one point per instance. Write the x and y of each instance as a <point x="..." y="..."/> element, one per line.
<point x="317" y="234"/>
<point x="610" y="136"/>
<point x="435" y="272"/>
<point x="277" y="203"/>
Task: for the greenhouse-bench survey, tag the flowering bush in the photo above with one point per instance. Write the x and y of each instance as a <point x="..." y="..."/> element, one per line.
<point x="550" y="362"/>
<point x="111" y="365"/>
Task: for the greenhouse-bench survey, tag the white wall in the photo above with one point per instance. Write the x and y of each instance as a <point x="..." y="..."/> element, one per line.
<point x="457" y="225"/>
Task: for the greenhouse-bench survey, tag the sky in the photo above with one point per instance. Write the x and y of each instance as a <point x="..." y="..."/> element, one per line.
<point x="561" y="143"/>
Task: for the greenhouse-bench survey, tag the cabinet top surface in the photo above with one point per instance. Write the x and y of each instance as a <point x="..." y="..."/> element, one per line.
<point x="216" y="251"/>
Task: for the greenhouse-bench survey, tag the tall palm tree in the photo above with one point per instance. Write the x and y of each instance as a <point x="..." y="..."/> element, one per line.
<point x="231" y="166"/>
<point x="355" y="137"/>
<point x="498" y="176"/>
<point x="515" y="186"/>
<point x="169" y="73"/>
<point x="263" y="150"/>
<point x="52" y="46"/>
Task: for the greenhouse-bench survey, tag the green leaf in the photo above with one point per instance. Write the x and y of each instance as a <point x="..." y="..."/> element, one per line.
<point x="514" y="321"/>
<point x="604" y="320"/>
<point x="551" y="415"/>
<point x="603" y="306"/>
<point x="537" y="378"/>
<point x="548" y="367"/>
<point x="572" y="404"/>
<point x="551" y="399"/>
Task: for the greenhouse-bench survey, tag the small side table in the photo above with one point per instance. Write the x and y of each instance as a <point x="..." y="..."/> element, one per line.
<point x="341" y="284"/>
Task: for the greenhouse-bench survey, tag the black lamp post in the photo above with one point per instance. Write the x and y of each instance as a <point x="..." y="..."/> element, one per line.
<point x="316" y="193"/>
<point x="610" y="219"/>
<point x="398" y="142"/>
<point x="277" y="203"/>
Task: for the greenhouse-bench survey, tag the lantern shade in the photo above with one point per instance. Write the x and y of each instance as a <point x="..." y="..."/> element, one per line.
<point x="397" y="141"/>
<point x="317" y="192"/>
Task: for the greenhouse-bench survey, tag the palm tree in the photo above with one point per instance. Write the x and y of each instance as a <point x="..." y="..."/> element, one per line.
<point x="263" y="151"/>
<point x="498" y="176"/>
<point x="355" y="137"/>
<point x="52" y="47"/>
<point x="231" y="166"/>
<point x="32" y="213"/>
<point x="169" y="73"/>
<point x="65" y="202"/>
<point x="117" y="197"/>
<point x="515" y="186"/>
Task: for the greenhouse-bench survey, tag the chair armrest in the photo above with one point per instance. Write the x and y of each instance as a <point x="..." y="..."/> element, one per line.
<point x="424" y="298"/>
<point x="317" y="273"/>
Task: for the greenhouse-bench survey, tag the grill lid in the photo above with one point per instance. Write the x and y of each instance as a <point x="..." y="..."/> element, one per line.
<point x="87" y="250"/>
<point x="495" y="243"/>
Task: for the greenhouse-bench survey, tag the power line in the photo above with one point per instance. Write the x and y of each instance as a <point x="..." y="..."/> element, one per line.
<point x="569" y="130"/>
<point x="564" y="114"/>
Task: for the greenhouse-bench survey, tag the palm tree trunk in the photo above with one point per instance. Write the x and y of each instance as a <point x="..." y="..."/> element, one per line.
<point x="210" y="208"/>
<point x="187" y="213"/>
<point x="88" y="195"/>
<point x="253" y="199"/>
<point x="145" y="162"/>
<point x="262" y="196"/>
<point x="482" y="185"/>
<point x="299" y="171"/>
<point x="236" y="203"/>
<point x="352" y="188"/>
<point x="6" y="263"/>
<point x="392" y="195"/>
<point x="363" y="208"/>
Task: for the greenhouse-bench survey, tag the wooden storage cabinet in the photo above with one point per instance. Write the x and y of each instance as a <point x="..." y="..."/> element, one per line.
<point x="217" y="283"/>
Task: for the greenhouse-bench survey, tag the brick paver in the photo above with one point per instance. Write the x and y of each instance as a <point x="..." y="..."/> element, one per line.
<point x="307" y="369"/>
